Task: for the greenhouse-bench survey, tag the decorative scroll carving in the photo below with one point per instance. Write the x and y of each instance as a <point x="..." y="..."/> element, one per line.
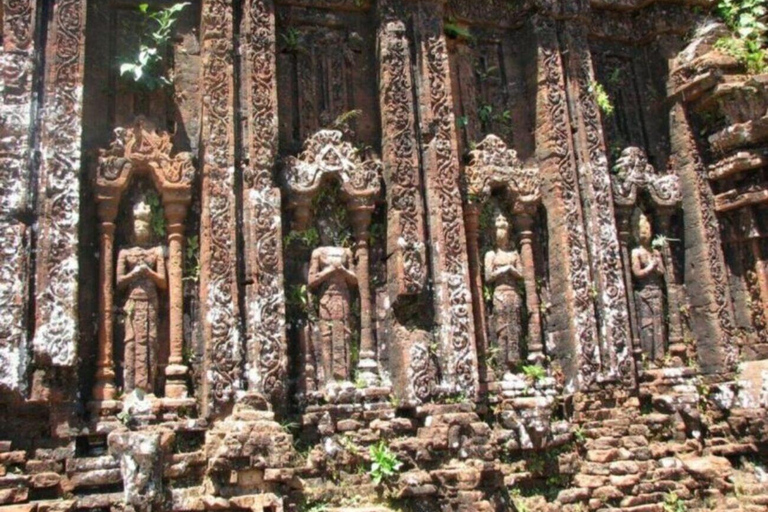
<point x="265" y="302"/>
<point x="452" y="298"/>
<point x="59" y="189"/>
<point x="16" y="65"/>
<point x="407" y="265"/>
<point x="615" y="340"/>
<point x="583" y="314"/>
<point x="218" y="276"/>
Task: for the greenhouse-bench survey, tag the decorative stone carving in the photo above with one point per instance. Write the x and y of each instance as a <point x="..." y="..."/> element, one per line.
<point x="141" y="275"/>
<point x="266" y="347"/>
<point x="327" y="156"/>
<point x="141" y="150"/>
<point x="633" y="180"/>
<point x="55" y="339"/>
<point x="223" y="360"/>
<point x="503" y="271"/>
<point x="332" y="278"/>
<point x="648" y="273"/>
<point x="493" y="166"/>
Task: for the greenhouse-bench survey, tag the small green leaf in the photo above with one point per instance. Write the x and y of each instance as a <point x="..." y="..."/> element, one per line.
<point x="143" y="7"/>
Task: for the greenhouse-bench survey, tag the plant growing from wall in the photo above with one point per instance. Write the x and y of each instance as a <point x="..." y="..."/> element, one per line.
<point x="384" y="463"/>
<point x="602" y="98"/>
<point x="534" y="372"/>
<point x="145" y="68"/>
<point x="745" y="19"/>
<point x="192" y="259"/>
<point x="157" y="219"/>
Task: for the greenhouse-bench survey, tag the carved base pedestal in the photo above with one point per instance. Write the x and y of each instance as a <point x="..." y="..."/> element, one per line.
<point x="176" y="381"/>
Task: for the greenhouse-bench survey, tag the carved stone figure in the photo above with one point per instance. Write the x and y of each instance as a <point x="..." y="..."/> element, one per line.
<point x="332" y="277"/>
<point x="648" y="273"/>
<point x="504" y="271"/>
<point x="141" y="273"/>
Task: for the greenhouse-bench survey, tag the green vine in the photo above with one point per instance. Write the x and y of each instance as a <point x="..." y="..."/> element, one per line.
<point x="145" y="69"/>
<point x="746" y="20"/>
<point x="602" y="98"/>
<point x="157" y="219"/>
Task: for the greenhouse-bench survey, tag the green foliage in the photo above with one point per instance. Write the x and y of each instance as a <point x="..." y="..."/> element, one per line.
<point x="602" y="98"/>
<point x="145" y="68"/>
<point x="384" y="463"/>
<point x="485" y="114"/>
<point x="580" y="435"/>
<point x="310" y="238"/>
<point x="462" y="121"/>
<point x="192" y="259"/>
<point x="745" y="18"/>
<point x="673" y="503"/>
<point x="292" y="40"/>
<point x="534" y="371"/>
<point x="615" y="76"/>
<point x="455" y="31"/>
<point x="342" y="120"/>
<point x="157" y="219"/>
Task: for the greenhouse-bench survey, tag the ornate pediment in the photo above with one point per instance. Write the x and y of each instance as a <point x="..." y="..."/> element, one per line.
<point x="494" y="166"/>
<point x="633" y="174"/>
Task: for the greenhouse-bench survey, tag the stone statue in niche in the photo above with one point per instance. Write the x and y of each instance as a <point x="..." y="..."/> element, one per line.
<point x="141" y="275"/>
<point x="332" y="277"/>
<point x="648" y="273"/>
<point x="503" y="271"/>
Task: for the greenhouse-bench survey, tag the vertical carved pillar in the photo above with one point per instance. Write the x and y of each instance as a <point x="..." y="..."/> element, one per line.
<point x="17" y="57"/>
<point x="664" y="218"/>
<point x="218" y="276"/>
<point x="59" y="187"/>
<point x="266" y="347"/>
<point x="524" y="223"/>
<point x="450" y="268"/>
<point x="406" y="264"/>
<point x="597" y="204"/>
<point x="624" y="221"/>
<point x="104" y="389"/>
<point x="573" y="310"/>
<point x="176" y="371"/>
<point x="361" y="222"/>
<point x="472" y="225"/>
<point x="705" y="274"/>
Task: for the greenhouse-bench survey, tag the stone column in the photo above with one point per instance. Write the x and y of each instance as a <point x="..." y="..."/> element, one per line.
<point x="361" y="221"/>
<point x="218" y="244"/>
<point x="524" y="224"/>
<point x="675" y="326"/>
<point x="104" y="388"/>
<point x="176" y="371"/>
<point x="17" y="69"/>
<point x="457" y="354"/>
<point x="56" y="330"/>
<point x="472" y="225"/>
<point x="624" y="221"/>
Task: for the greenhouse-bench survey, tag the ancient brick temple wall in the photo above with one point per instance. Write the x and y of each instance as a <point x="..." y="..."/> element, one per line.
<point x="372" y="255"/>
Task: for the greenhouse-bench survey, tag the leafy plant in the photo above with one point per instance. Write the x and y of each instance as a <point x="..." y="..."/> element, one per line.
<point x="384" y="463"/>
<point x="580" y="435"/>
<point x="192" y="259"/>
<point x="745" y="18"/>
<point x="485" y="113"/>
<point x="145" y="68"/>
<point x="462" y="121"/>
<point x="309" y="238"/>
<point x="342" y="120"/>
<point x="157" y="219"/>
<point x="673" y="503"/>
<point x="534" y="371"/>
<point x="455" y="31"/>
<point x="602" y="98"/>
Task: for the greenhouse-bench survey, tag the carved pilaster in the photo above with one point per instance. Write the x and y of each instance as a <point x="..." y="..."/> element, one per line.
<point x="602" y="241"/>
<point x="266" y="349"/>
<point x="568" y="246"/>
<point x="706" y="278"/>
<point x="450" y="268"/>
<point x="218" y="248"/>
<point x="16" y="123"/>
<point x="56" y="331"/>
<point x="406" y="262"/>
